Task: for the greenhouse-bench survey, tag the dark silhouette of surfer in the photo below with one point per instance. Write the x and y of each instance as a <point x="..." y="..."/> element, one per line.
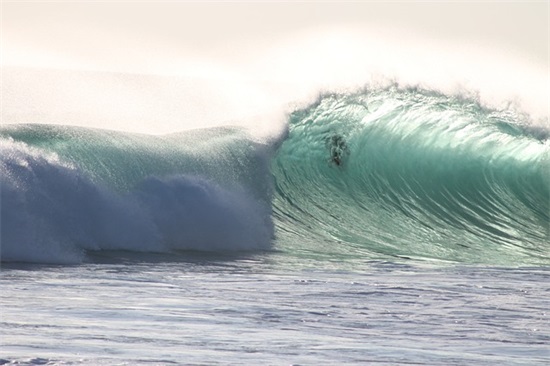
<point x="338" y="149"/>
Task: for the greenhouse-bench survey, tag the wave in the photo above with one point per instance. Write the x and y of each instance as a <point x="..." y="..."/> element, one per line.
<point x="374" y="174"/>
<point x="413" y="173"/>
<point x="68" y="191"/>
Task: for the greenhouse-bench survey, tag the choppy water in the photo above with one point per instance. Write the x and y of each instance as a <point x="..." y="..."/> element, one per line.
<point x="252" y="310"/>
<point x="398" y="226"/>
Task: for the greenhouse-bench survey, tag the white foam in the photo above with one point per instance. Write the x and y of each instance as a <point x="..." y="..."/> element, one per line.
<point x="52" y="212"/>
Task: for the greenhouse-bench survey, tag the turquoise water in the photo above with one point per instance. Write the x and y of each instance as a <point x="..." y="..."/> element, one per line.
<point x="393" y="226"/>
<point x="423" y="176"/>
<point x="384" y="174"/>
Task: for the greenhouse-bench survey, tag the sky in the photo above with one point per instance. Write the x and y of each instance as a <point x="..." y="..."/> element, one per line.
<point x="254" y="55"/>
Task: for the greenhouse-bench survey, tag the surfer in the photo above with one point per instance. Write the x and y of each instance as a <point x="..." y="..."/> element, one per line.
<point x="337" y="146"/>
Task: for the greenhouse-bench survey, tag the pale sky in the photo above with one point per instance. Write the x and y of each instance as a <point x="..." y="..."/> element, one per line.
<point x="114" y="34"/>
<point x="501" y="47"/>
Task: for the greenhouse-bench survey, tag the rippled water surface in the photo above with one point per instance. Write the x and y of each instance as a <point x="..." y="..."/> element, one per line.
<point x="211" y="310"/>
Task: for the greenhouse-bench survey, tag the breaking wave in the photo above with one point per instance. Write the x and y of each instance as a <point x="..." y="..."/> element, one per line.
<point x="374" y="174"/>
<point x="416" y="174"/>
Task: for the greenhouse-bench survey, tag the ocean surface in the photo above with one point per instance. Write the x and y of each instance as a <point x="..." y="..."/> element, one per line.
<point x="386" y="225"/>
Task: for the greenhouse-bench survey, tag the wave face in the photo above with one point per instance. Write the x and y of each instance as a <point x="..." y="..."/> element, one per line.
<point x="67" y="191"/>
<point x="372" y="175"/>
<point x="414" y="174"/>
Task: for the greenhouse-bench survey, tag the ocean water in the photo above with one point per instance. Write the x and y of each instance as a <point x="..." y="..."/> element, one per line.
<point x="387" y="225"/>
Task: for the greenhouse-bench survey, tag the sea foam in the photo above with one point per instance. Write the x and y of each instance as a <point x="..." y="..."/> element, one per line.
<point x="53" y="211"/>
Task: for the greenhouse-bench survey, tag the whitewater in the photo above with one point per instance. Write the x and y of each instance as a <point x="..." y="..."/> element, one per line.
<point x="356" y="210"/>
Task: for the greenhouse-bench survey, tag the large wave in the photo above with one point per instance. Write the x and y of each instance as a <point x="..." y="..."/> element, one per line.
<point x="374" y="174"/>
<point x="416" y="174"/>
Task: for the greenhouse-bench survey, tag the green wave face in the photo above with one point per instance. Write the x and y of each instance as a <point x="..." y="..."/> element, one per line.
<point x="415" y="174"/>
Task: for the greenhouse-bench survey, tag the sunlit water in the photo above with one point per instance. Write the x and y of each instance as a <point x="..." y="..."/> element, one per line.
<point x="263" y="309"/>
<point x="393" y="225"/>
